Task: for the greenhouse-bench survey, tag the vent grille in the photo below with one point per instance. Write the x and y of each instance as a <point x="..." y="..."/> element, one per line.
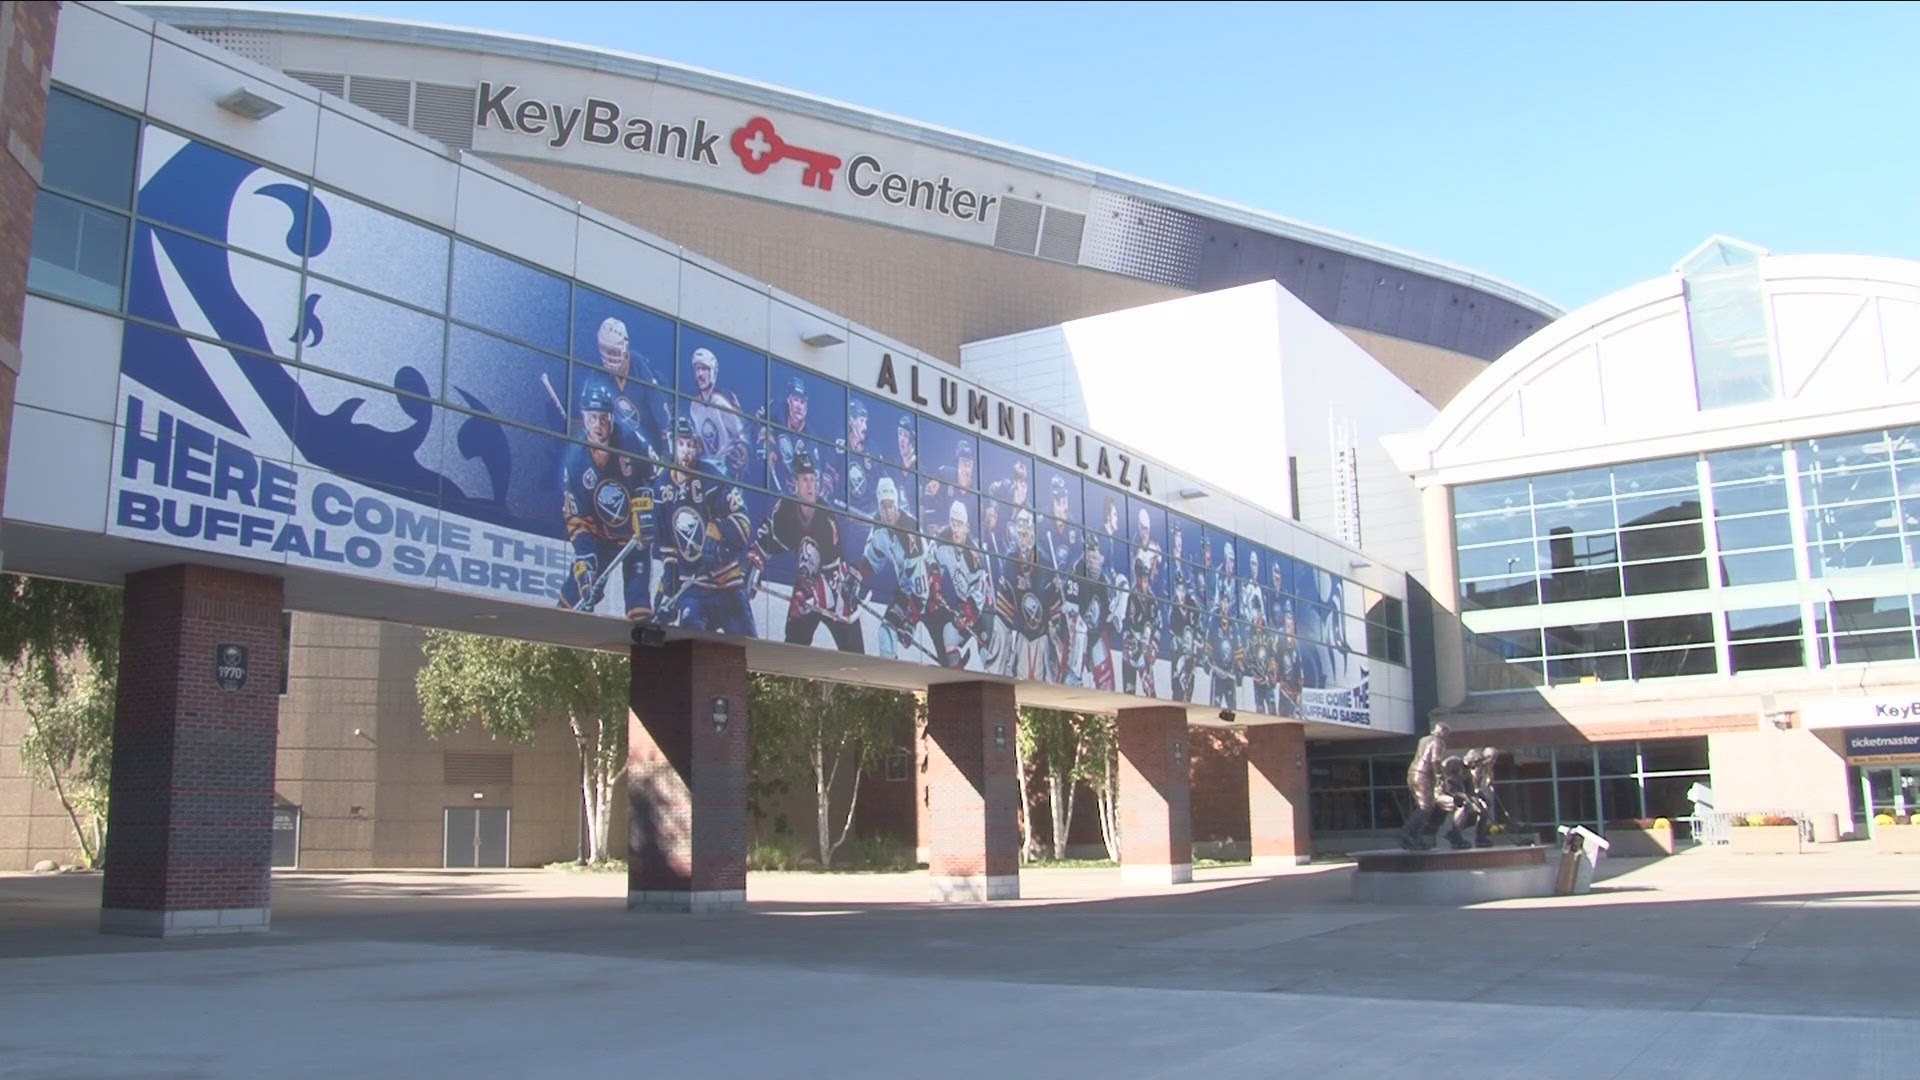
<point x="444" y="113"/>
<point x="1019" y="226"/>
<point x="257" y="46"/>
<point x="1060" y="235"/>
<point x="476" y="768"/>
<point x="321" y="81"/>
<point x="391" y="99"/>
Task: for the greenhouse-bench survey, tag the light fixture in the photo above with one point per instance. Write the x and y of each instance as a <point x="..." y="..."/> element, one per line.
<point x="1191" y="493"/>
<point x="648" y="636"/>
<point x="722" y="712"/>
<point x="248" y="105"/>
<point x="479" y="795"/>
<point x="1226" y="716"/>
<point x="820" y="339"/>
<point x="1358" y="565"/>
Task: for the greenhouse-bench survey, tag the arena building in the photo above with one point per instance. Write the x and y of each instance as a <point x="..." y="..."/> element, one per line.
<point x="1678" y="530"/>
<point x="280" y="353"/>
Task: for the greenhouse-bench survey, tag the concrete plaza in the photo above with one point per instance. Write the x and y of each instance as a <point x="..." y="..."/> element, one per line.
<point x="1702" y="965"/>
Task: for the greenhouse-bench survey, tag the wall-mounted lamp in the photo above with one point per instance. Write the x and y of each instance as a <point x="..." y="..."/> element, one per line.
<point x="722" y="712"/>
<point x="479" y="795"/>
<point x="248" y="105"/>
<point x="1357" y="565"/>
<point x="648" y="636"/>
<point x="1191" y="493"/>
<point x="820" y="339"/>
<point x="1226" y="716"/>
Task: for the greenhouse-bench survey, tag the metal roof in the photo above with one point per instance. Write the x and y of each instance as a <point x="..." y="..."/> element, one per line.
<point x="435" y="35"/>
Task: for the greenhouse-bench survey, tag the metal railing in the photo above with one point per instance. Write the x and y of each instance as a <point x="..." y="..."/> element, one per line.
<point x="1712" y="826"/>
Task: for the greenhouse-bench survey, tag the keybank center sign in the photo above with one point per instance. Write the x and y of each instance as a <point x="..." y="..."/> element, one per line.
<point x="679" y="135"/>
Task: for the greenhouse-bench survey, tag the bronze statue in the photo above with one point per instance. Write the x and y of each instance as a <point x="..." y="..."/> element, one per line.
<point x="1486" y="800"/>
<point x="1421" y="775"/>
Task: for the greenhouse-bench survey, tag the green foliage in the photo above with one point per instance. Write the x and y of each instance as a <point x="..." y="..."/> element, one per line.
<point x="867" y="855"/>
<point x="513" y="688"/>
<point x="60" y="645"/>
<point x="816" y="729"/>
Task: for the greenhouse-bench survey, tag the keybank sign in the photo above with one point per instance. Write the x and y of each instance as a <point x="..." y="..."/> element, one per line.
<point x="755" y="146"/>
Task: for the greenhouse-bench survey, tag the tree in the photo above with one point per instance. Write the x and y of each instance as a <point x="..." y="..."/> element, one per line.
<point x="60" y="644"/>
<point x="1053" y="739"/>
<point x="513" y="688"/>
<point x="1100" y="767"/>
<point x="822" y="727"/>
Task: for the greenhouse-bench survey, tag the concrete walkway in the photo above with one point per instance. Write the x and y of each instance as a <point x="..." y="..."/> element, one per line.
<point x="1703" y="965"/>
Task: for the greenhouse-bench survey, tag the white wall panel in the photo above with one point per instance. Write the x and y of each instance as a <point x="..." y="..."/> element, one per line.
<point x="723" y="305"/>
<point x="103" y="56"/>
<point x="184" y="87"/>
<point x="396" y="173"/>
<point x="73" y="459"/>
<point x="501" y="215"/>
<point x="628" y="268"/>
<point x="69" y="360"/>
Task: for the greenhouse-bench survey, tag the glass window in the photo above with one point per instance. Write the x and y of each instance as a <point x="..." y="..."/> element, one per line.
<point x="1768" y="530"/>
<point x="1659" y="508"/>
<point x="1665" y="474"/>
<point x="1617" y="758"/>
<point x="1667" y="663"/>
<point x="1610" y="667"/>
<point x="1563" y="585"/>
<point x="1871" y="613"/>
<point x="1765" y="655"/>
<point x="1662" y="577"/>
<point x="1673" y="755"/>
<point x="1562" y="552"/>
<point x="1498" y="560"/>
<point x="1838" y="558"/>
<point x="376" y="250"/>
<point x="1727" y="324"/>
<point x="1576" y="486"/>
<point x="1620" y="798"/>
<point x="1499" y="593"/>
<point x="1755" y="567"/>
<point x="1582" y="517"/>
<point x="1747" y="498"/>
<point x="489" y="375"/>
<point x="79" y="251"/>
<point x="1670" y="630"/>
<point x="1494" y="527"/>
<point x="1759" y="624"/>
<point x="1664" y="542"/>
<point x="1747" y="463"/>
<point x="366" y="338"/>
<point x="1872" y="648"/>
<point x="807" y="403"/>
<point x="1586" y="638"/>
<point x="1827" y="486"/>
<point x="511" y="298"/>
<point x="1386" y="810"/>
<point x="1494" y="495"/>
<point x="88" y="150"/>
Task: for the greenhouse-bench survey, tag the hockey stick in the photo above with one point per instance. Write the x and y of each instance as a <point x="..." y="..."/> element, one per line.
<point x="592" y="596"/>
<point x="553" y="397"/>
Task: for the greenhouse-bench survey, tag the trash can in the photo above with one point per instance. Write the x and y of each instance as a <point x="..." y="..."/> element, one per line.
<point x="1826" y="827"/>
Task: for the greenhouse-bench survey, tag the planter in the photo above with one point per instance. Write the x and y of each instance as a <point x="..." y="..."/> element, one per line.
<point x="1764" y="839"/>
<point x="1630" y="842"/>
<point x="1896" y="839"/>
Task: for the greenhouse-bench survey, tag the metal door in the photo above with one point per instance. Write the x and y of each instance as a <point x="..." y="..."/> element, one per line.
<point x="476" y="836"/>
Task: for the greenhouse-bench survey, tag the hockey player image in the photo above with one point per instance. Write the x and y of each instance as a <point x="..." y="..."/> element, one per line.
<point x="856" y="426"/>
<point x="894" y="549"/>
<point x="907" y="455"/>
<point x="959" y="591"/>
<point x="1061" y="544"/>
<point x="1292" y="674"/>
<point x="1183" y="622"/>
<point x="1223" y="661"/>
<point x="1253" y="600"/>
<point x="1263" y="663"/>
<point x="1142" y="632"/>
<point x="702" y="533"/>
<point x="642" y="418"/>
<point x="822" y="592"/>
<point x="784" y="445"/>
<point x="952" y="480"/>
<point x="861" y="485"/>
<point x="607" y="502"/>
<point x="1085" y="604"/>
<point x="715" y="413"/>
<point x="1012" y="489"/>
<point x="1028" y="603"/>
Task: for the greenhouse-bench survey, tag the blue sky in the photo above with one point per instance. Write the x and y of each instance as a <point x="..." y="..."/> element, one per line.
<point x="1569" y="149"/>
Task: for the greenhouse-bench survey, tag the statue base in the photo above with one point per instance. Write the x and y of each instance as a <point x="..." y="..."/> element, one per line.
<point x="1467" y="876"/>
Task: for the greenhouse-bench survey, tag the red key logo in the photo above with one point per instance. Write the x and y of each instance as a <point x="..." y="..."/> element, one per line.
<point x="758" y="148"/>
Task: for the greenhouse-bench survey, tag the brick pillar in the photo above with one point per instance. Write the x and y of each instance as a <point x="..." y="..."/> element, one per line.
<point x="190" y="802"/>
<point x="1277" y="795"/>
<point x="687" y="778"/>
<point x="972" y="797"/>
<point x="26" y="58"/>
<point x="1156" y="819"/>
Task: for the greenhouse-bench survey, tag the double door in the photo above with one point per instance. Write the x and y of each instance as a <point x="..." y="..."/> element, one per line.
<point x="477" y="836"/>
<point x="1890" y="789"/>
